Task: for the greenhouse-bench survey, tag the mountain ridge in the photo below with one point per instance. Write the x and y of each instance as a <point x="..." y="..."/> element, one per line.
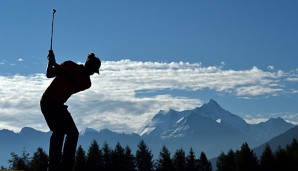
<point x="208" y="128"/>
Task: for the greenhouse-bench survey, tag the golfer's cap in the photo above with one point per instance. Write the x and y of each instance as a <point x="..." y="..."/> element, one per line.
<point x="95" y="61"/>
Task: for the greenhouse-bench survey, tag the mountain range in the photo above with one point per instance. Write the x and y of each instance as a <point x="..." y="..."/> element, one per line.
<point x="208" y="128"/>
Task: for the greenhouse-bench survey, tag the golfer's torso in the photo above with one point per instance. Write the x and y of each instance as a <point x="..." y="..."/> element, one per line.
<point x="63" y="86"/>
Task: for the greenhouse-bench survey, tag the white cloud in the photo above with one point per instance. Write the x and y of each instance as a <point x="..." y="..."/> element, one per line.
<point x="112" y="101"/>
<point x="292" y="79"/>
<point x="292" y="76"/>
<point x="256" y="120"/>
<point x="270" y="67"/>
<point x="257" y="90"/>
<point x="293" y="91"/>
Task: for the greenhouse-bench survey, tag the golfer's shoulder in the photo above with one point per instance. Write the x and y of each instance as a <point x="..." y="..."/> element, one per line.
<point x="69" y="64"/>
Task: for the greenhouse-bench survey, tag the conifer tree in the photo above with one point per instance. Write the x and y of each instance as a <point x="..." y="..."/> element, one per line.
<point x="231" y="156"/>
<point x="246" y="159"/>
<point x="221" y="162"/>
<point x="144" y="157"/>
<point x="107" y="157"/>
<point x="80" y="159"/>
<point x="39" y="161"/>
<point x="226" y="162"/>
<point x="130" y="160"/>
<point x="191" y="164"/>
<point x="164" y="163"/>
<point x="94" y="157"/>
<point x="179" y="160"/>
<point x="292" y="152"/>
<point x="19" y="163"/>
<point x="203" y="163"/>
<point x="118" y="157"/>
<point x="267" y="159"/>
<point x="282" y="160"/>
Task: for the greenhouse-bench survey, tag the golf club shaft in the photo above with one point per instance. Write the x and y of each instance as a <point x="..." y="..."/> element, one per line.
<point x="51" y="48"/>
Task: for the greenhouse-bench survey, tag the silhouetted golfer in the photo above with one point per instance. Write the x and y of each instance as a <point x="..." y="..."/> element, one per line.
<point x="70" y="78"/>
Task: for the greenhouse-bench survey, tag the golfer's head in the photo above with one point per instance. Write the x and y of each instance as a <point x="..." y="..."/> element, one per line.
<point x="92" y="64"/>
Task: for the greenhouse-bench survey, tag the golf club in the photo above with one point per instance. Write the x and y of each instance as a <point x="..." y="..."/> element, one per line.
<point x="54" y="11"/>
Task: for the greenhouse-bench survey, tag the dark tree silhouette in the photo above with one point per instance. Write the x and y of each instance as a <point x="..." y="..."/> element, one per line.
<point x="203" y="163"/>
<point x="292" y="151"/>
<point x="118" y="160"/>
<point x="164" y="163"/>
<point x="123" y="160"/>
<point x="144" y="157"/>
<point x="282" y="160"/>
<point x="107" y="157"/>
<point x="226" y="162"/>
<point x="39" y="161"/>
<point x="267" y="159"/>
<point x="80" y="159"/>
<point x="191" y="164"/>
<point x="179" y="160"/>
<point x="19" y="163"/>
<point x="129" y="159"/>
<point x="94" y="157"/>
<point x="246" y="159"/>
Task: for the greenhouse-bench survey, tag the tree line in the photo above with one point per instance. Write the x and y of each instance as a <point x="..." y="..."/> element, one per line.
<point x="119" y="158"/>
<point x="122" y="159"/>
<point x="283" y="159"/>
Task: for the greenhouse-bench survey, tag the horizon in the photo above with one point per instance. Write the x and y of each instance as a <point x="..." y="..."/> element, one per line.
<point x="156" y="55"/>
<point x="139" y="133"/>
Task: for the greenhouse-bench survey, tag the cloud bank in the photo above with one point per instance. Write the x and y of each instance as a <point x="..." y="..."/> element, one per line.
<point x="113" y="102"/>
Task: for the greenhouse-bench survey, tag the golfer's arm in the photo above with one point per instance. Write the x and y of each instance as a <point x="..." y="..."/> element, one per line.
<point x="51" y="71"/>
<point x="58" y="70"/>
<point x="55" y="70"/>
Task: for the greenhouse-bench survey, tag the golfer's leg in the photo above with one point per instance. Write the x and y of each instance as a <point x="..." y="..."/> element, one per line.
<point x="70" y="145"/>
<point x="55" y="150"/>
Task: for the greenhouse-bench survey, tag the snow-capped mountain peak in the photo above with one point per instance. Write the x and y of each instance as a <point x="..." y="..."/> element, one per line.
<point x="214" y="111"/>
<point x="162" y="121"/>
<point x="177" y="124"/>
<point x="212" y="104"/>
<point x="209" y="120"/>
<point x="88" y="130"/>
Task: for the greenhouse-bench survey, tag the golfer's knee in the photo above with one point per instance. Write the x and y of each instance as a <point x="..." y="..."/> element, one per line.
<point x="74" y="134"/>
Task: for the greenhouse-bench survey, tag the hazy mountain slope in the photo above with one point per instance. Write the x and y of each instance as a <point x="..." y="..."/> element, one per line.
<point x="208" y="128"/>
<point x="281" y="140"/>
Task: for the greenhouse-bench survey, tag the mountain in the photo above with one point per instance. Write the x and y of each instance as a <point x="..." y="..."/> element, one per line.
<point x="27" y="139"/>
<point x="208" y="128"/>
<point x="206" y="118"/>
<point x="281" y="140"/>
<point x="163" y="121"/>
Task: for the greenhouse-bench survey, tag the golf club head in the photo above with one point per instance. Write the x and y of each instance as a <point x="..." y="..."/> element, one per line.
<point x="54" y="11"/>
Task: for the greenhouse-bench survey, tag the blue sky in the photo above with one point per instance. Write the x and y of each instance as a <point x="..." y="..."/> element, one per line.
<point x="156" y="55"/>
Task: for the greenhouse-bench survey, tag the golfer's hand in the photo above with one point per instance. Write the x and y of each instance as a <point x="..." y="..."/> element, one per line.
<point x="51" y="58"/>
